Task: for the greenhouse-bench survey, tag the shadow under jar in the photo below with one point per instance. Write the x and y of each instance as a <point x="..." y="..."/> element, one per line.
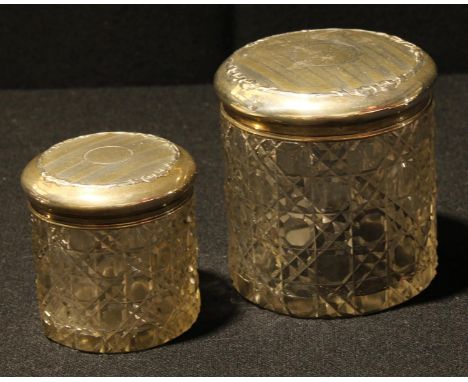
<point x="114" y="241"/>
<point x="330" y="177"/>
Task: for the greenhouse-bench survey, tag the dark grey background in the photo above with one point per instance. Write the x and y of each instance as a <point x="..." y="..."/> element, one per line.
<point x="70" y="47"/>
<point x="101" y="45"/>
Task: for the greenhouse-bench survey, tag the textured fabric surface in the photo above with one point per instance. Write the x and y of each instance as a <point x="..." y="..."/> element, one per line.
<point x="425" y="336"/>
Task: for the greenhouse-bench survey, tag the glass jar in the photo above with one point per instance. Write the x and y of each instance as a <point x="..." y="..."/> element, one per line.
<point x="114" y="241"/>
<point x="330" y="176"/>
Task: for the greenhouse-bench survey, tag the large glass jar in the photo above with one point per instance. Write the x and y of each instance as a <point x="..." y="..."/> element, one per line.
<point x="330" y="176"/>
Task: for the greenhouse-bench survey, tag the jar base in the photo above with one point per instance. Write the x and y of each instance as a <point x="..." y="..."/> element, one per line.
<point x="324" y="304"/>
<point x="141" y="338"/>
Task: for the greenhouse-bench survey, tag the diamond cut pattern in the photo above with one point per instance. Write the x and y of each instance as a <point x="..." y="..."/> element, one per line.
<point x="121" y="289"/>
<point x="331" y="228"/>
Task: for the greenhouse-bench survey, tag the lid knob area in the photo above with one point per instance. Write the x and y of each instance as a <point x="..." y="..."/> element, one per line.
<point x="108" y="175"/>
<point x="324" y="76"/>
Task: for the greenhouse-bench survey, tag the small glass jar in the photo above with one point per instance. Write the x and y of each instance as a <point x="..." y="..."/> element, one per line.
<point x="114" y="241"/>
<point x="330" y="175"/>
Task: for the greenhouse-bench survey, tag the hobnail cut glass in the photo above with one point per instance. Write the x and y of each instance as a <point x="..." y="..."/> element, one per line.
<point x="117" y="289"/>
<point x="331" y="228"/>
